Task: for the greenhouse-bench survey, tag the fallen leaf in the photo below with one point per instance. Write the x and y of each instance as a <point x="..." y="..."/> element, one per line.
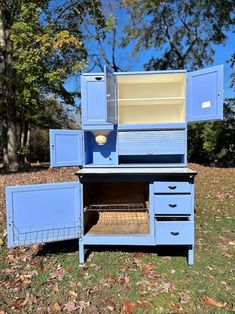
<point x="1" y="242"/>
<point x="124" y="279"/>
<point x="128" y="307"/>
<point x="176" y="306"/>
<point x="56" y="287"/>
<point x="147" y="269"/>
<point x="143" y="304"/>
<point x="228" y="255"/>
<point x="184" y="297"/>
<point x="211" y="277"/>
<point x="10" y="258"/>
<point x="73" y="294"/>
<point x="125" y="266"/>
<point x="83" y="305"/>
<point x="57" y="307"/>
<point x="41" y="264"/>
<point x="34" y="263"/>
<point x="70" y="306"/>
<point x="167" y="287"/>
<point x="94" y="309"/>
<point x="208" y="301"/>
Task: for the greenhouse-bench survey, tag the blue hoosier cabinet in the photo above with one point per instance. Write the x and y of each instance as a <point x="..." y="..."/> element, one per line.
<point x="133" y="186"/>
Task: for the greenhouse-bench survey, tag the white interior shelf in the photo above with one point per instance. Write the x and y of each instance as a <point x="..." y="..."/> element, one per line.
<point x="147" y="99"/>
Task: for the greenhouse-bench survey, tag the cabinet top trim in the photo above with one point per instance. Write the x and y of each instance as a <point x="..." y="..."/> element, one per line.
<point x="119" y="170"/>
<point x="137" y="72"/>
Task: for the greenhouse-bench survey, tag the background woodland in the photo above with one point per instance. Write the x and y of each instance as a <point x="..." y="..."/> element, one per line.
<point x="43" y="43"/>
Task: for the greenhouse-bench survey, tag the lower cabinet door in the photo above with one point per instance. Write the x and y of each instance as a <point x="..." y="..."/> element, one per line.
<point x="43" y="213"/>
<point x="174" y="232"/>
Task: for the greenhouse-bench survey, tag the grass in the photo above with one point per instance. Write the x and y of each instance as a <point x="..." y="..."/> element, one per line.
<point x="127" y="279"/>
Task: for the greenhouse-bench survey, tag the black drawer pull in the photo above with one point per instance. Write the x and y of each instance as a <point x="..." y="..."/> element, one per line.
<point x="98" y="78"/>
<point x="175" y="233"/>
<point x="172" y="187"/>
<point x="172" y="205"/>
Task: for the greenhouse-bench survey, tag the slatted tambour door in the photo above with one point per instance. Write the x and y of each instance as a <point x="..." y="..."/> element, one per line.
<point x="152" y="142"/>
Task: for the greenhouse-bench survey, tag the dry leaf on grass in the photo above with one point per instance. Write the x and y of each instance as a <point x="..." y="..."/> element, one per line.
<point x="128" y="307"/>
<point x="208" y="301"/>
<point x="57" y="307"/>
<point x="70" y="306"/>
<point x="184" y="297"/>
<point x="72" y="294"/>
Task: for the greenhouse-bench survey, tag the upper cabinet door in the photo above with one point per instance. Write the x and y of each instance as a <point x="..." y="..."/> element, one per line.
<point x="66" y="148"/>
<point x="111" y="94"/>
<point x="205" y="94"/>
<point x="43" y="213"/>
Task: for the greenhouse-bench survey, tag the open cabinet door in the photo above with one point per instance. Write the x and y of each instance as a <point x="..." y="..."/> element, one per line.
<point x="43" y="213"/>
<point x="66" y="147"/>
<point x="205" y="94"/>
<point x="110" y="89"/>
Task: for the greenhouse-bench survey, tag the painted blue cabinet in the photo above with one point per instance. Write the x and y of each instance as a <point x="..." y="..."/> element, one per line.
<point x="134" y="187"/>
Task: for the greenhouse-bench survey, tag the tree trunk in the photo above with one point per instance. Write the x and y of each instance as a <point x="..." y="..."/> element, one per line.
<point x="26" y="141"/>
<point x="8" y="99"/>
<point x="3" y="91"/>
<point x="4" y="144"/>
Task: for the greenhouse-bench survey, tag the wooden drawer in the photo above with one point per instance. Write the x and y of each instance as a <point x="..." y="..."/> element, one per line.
<point x="174" y="232"/>
<point x="173" y="204"/>
<point x="172" y="187"/>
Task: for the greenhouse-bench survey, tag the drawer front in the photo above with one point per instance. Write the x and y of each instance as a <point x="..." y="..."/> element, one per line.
<point x="152" y="142"/>
<point x="174" y="232"/>
<point x="173" y="204"/>
<point x="172" y="187"/>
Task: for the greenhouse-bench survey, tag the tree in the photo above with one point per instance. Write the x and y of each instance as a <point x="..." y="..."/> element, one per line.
<point x="41" y="46"/>
<point x="232" y="62"/>
<point x="104" y="44"/>
<point x="182" y="32"/>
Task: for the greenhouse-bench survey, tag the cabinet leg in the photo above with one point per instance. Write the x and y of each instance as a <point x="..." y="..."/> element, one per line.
<point x="81" y="252"/>
<point x="190" y="256"/>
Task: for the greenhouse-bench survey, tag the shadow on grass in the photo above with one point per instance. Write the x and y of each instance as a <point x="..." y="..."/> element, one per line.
<point x="72" y="246"/>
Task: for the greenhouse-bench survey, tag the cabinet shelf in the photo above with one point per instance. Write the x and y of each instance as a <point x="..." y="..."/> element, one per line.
<point x="150" y="99"/>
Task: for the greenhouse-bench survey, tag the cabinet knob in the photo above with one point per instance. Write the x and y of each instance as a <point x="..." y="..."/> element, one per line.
<point x="172" y="187"/>
<point x="175" y="233"/>
<point x="172" y="205"/>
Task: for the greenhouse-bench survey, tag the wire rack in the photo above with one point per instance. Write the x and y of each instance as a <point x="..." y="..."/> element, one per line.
<point x="125" y="206"/>
<point x="46" y="233"/>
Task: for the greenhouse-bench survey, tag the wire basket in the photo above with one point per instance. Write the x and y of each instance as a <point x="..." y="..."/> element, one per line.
<point x="46" y="233"/>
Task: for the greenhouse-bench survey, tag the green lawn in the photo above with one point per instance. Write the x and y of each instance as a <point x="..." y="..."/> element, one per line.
<point x="126" y="280"/>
